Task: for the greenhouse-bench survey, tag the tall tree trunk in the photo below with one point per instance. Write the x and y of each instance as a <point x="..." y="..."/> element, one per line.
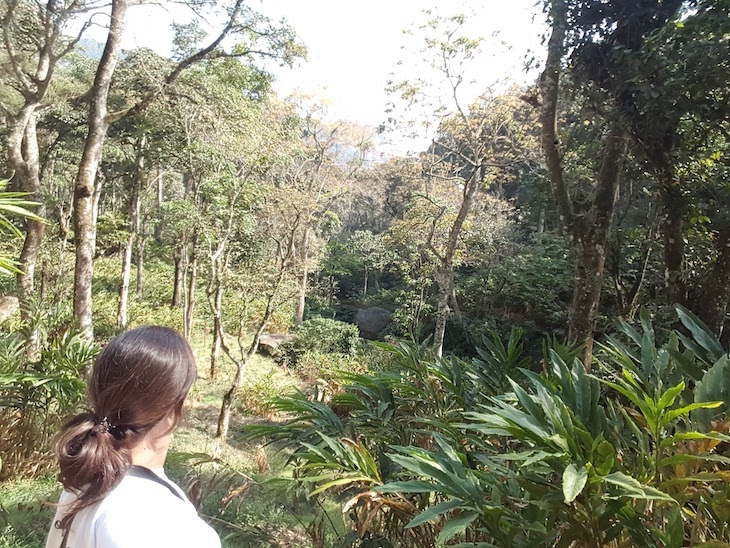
<point x="29" y="181"/>
<point x="445" y="272"/>
<point x="84" y="226"/>
<point x="303" y="277"/>
<point x="158" y="203"/>
<point x="192" y="287"/>
<point x="590" y="241"/>
<point x="135" y="203"/>
<point x="587" y="234"/>
<point x="181" y="249"/>
<point x="445" y="284"/>
<point x="141" y="241"/>
<point x="178" y="277"/>
<point x="217" y="326"/>
<point x="675" y="208"/>
<point x="124" y="284"/>
<point x="712" y="303"/>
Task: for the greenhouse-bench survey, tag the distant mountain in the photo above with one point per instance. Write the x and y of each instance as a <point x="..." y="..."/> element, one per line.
<point x="91" y="48"/>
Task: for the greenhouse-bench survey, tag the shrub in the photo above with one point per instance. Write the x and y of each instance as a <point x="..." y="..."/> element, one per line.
<point x="256" y="394"/>
<point x="38" y="393"/>
<point x="321" y="335"/>
<point x="315" y="366"/>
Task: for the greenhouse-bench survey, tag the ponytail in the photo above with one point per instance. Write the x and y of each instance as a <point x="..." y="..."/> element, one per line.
<point x="92" y="459"/>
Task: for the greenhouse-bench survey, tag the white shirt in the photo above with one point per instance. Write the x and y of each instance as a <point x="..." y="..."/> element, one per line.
<point x="138" y="513"/>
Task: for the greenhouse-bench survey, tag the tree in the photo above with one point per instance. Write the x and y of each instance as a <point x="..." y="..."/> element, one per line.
<point x="276" y="236"/>
<point x="595" y="36"/>
<point x="33" y="45"/>
<point x="674" y="96"/>
<point x="472" y="145"/>
<point x="259" y="37"/>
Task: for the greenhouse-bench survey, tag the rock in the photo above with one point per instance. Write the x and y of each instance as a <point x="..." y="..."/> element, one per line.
<point x="269" y="344"/>
<point x="9" y="306"/>
<point x="371" y="321"/>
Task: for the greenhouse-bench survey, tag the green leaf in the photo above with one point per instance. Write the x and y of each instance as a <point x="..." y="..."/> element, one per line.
<point x="714" y="386"/>
<point x="683" y="458"/>
<point x="433" y="512"/>
<point x="410" y="486"/>
<point x="456" y="526"/>
<point x="341" y="481"/>
<point x="630" y="487"/>
<point x="667" y="399"/>
<point x="574" y="480"/>
<point x="683" y="411"/>
<point x="701" y="333"/>
<point x="675" y="529"/>
<point x="684" y="436"/>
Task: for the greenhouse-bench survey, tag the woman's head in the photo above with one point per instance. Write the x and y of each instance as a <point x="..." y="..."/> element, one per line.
<point x="139" y="379"/>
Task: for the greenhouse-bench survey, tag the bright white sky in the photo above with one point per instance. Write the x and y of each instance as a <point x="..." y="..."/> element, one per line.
<point x="354" y="47"/>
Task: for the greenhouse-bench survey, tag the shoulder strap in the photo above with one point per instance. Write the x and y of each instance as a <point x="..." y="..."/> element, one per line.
<point x="146" y="473"/>
<point x="65" y="535"/>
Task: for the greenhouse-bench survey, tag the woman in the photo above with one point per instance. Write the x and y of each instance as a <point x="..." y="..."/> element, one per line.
<point x="116" y="494"/>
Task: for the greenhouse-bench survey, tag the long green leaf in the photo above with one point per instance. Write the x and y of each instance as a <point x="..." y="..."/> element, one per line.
<point x="630" y="487"/>
<point x="456" y="526"/>
<point x="433" y="512"/>
<point x="701" y="333"/>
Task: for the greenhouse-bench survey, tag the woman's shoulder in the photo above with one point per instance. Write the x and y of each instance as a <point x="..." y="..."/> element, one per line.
<point x="140" y="512"/>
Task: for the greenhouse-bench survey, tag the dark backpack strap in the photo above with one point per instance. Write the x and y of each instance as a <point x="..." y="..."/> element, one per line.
<point x="65" y="534"/>
<point x="146" y="473"/>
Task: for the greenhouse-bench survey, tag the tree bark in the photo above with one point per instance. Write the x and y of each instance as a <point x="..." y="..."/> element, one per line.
<point x="27" y="168"/>
<point x="675" y="208"/>
<point x="217" y="327"/>
<point x="30" y="75"/>
<point x="587" y="234"/>
<point x="158" y="224"/>
<point x="134" y="206"/>
<point x="445" y="283"/>
<point x="178" y="283"/>
<point x="591" y="239"/>
<point x="181" y="249"/>
<point x="713" y="300"/>
<point x="141" y="242"/>
<point x="192" y="287"/>
<point x="303" y="278"/>
<point x="84" y="226"/>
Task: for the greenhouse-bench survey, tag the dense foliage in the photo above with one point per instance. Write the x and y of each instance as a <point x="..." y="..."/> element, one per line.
<point x="427" y="450"/>
<point x="551" y="268"/>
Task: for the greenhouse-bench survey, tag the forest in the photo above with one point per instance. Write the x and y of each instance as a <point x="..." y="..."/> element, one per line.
<point x="516" y="336"/>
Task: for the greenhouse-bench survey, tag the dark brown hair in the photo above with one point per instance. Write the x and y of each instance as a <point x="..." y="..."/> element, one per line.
<point x="137" y="380"/>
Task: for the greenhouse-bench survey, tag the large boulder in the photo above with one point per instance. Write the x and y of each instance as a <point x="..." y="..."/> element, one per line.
<point x="371" y="321"/>
<point x="269" y="344"/>
<point x="9" y="306"/>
